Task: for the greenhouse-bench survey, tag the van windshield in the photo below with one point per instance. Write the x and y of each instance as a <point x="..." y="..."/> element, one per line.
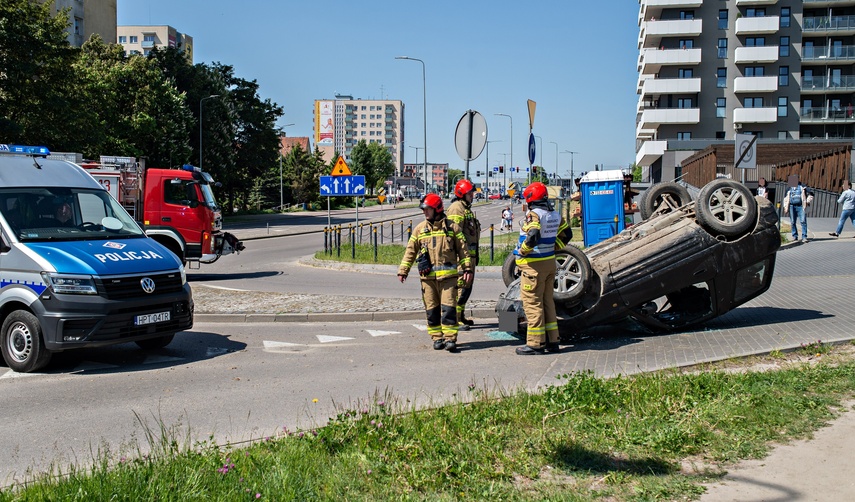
<point x="59" y="213"/>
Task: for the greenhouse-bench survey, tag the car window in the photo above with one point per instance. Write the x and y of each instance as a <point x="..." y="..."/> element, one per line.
<point x="751" y="279"/>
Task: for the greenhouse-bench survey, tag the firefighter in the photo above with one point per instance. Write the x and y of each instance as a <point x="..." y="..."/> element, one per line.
<point x="437" y="246"/>
<point x="543" y="232"/>
<point x="460" y="212"/>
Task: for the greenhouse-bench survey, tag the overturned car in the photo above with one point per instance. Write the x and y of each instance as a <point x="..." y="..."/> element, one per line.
<point x="687" y="262"/>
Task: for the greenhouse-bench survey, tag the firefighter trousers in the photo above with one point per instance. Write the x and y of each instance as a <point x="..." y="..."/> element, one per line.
<point x="440" y="299"/>
<point x="537" y="283"/>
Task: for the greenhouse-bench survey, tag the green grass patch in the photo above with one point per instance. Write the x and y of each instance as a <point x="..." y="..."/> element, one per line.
<point x="583" y="438"/>
<point x="391" y="254"/>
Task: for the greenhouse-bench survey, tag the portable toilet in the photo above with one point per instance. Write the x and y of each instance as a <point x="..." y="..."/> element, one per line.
<point x="602" y="205"/>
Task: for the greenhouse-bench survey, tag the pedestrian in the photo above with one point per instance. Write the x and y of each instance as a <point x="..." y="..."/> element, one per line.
<point x="540" y="235"/>
<point x="847" y="198"/>
<point x="507" y="218"/>
<point x="794" y="203"/>
<point x="460" y="212"/>
<point x="762" y="189"/>
<point x="438" y="246"/>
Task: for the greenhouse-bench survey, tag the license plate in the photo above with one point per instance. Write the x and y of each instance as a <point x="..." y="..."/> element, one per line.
<point x="151" y="318"/>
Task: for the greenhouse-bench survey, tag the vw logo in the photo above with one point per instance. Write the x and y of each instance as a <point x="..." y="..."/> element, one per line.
<point x="147" y="284"/>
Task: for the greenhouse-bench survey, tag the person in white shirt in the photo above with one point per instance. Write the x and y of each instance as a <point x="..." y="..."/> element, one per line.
<point x="847" y="198"/>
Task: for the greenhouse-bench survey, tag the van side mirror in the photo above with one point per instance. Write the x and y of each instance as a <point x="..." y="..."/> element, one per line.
<point x="4" y="248"/>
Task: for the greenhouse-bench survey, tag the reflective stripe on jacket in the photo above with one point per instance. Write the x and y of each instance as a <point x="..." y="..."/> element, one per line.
<point x="445" y="244"/>
<point x="548" y="223"/>
<point x="461" y="213"/>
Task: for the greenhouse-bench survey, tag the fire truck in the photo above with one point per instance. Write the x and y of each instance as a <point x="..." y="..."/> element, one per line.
<point x="176" y="207"/>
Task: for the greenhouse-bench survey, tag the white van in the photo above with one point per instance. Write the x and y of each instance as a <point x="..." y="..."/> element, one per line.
<point x="76" y="270"/>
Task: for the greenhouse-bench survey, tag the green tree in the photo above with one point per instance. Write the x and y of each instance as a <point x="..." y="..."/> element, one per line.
<point x="303" y="172"/>
<point x="371" y="160"/>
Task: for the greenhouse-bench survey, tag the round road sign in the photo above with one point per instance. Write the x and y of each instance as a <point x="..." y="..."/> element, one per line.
<point x="470" y="135"/>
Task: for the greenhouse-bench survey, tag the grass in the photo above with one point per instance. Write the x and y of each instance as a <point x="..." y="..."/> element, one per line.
<point x="391" y="254"/>
<point x="625" y="438"/>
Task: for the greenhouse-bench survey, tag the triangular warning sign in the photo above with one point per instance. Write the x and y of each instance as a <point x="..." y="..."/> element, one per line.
<point x="341" y="168"/>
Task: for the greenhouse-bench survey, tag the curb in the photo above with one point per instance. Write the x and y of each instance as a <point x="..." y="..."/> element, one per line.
<point x="404" y="315"/>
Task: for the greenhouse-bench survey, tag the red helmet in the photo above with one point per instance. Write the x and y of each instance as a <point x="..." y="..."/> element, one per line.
<point x="432" y="200"/>
<point x="462" y="188"/>
<point x="535" y="192"/>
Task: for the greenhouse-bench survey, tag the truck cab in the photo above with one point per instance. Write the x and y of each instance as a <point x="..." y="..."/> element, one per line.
<point x="76" y="270"/>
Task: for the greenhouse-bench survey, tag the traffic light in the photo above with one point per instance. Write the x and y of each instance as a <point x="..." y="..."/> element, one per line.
<point x="518" y="169"/>
<point x="477" y="174"/>
<point x="534" y="169"/>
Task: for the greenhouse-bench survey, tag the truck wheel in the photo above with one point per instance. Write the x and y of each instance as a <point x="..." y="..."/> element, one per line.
<point x="155" y="343"/>
<point x="663" y="195"/>
<point x="727" y="208"/>
<point x="510" y="272"/>
<point x="22" y="344"/>
<point x="572" y="274"/>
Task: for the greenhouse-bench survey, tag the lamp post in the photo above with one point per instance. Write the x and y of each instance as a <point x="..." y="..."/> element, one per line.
<point x="504" y="171"/>
<point x="200" y="125"/>
<point x="556" y="157"/>
<point x="281" y="197"/>
<point x="572" y="174"/>
<point x="424" y="104"/>
<point x="417" y="163"/>
<point x="512" y="143"/>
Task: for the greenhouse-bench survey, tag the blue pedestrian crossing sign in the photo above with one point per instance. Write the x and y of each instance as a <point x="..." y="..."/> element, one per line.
<point x="342" y="186"/>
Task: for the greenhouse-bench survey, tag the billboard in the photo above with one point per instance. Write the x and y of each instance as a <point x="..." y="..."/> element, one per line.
<point x="325" y="131"/>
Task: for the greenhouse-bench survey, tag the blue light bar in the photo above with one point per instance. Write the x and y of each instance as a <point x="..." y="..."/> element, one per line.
<point x="28" y="150"/>
<point x="192" y="169"/>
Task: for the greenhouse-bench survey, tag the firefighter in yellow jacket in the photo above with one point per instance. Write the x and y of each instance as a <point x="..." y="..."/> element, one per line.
<point x="460" y="212"/>
<point x="437" y="246"/>
<point x="543" y="232"/>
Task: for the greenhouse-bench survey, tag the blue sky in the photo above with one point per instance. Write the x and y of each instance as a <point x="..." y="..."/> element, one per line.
<point x="577" y="60"/>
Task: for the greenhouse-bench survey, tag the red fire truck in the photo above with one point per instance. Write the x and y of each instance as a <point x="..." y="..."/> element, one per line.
<point x="176" y="207"/>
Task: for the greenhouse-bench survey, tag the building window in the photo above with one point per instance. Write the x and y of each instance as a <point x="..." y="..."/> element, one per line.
<point x="784" y="47"/>
<point x="684" y="103"/>
<point x="123" y="39"/>
<point x="755" y="42"/>
<point x="782" y="106"/>
<point x="785" y="17"/>
<point x="722" y="19"/>
<point x="783" y="135"/>
<point x="752" y="102"/>
<point x="754" y="12"/>
<point x="722" y="48"/>
<point x="148" y="38"/>
<point x="753" y="71"/>
<point x="362" y="109"/>
<point x="720" y="108"/>
<point x="719" y="135"/>
<point x="687" y="44"/>
<point x="685" y="73"/>
<point x="684" y="135"/>
<point x="687" y="14"/>
<point x="133" y="39"/>
<point x="784" y="76"/>
<point x="363" y="118"/>
<point x="721" y="81"/>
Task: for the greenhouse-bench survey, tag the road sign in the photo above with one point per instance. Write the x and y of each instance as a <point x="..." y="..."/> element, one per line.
<point x="496" y="169"/>
<point x="381" y="198"/>
<point x="342" y="186"/>
<point x="532" y="148"/>
<point x="341" y="168"/>
<point x="531" y="106"/>
<point x="470" y="135"/>
<point x="746" y="151"/>
<point x="388" y="182"/>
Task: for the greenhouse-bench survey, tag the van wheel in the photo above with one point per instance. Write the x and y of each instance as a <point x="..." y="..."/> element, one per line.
<point x="727" y="208"/>
<point x="155" y="343"/>
<point x="667" y="196"/>
<point x="510" y="272"/>
<point x="22" y="344"/>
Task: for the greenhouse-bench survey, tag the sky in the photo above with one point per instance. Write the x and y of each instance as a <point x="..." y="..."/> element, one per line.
<point x="577" y="60"/>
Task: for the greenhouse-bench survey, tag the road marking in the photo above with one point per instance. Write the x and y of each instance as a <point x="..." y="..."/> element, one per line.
<point x="377" y="332"/>
<point x="328" y="339"/>
<point x="15" y="374"/>
<point x="273" y="346"/>
<point x="161" y="359"/>
<point x="420" y="327"/>
<point x="218" y="287"/>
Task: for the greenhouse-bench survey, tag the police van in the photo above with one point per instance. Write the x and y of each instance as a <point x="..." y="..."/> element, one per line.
<point x="76" y="270"/>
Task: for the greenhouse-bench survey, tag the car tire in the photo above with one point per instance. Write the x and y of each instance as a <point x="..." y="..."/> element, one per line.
<point x="22" y="343"/>
<point x="510" y="272"/>
<point x="572" y="274"/>
<point x="726" y="207"/>
<point x="669" y="193"/>
<point x="155" y="343"/>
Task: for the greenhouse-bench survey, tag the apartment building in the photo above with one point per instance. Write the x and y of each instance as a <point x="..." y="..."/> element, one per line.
<point x="783" y="70"/>
<point x="142" y="39"/>
<point x="89" y="17"/>
<point x="340" y="123"/>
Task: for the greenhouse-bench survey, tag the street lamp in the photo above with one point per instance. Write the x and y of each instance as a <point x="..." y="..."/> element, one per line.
<point x="556" y="157"/>
<point x="200" y="126"/>
<point x="504" y="179"/>
<point x="417" y="163"/>
<point x="571" y="163"/>
<point x="281" y="197"/>
<point x="424" y="104"/>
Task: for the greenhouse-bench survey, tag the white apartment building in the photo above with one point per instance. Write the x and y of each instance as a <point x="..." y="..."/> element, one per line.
<point x="142" y="39"/>
<point x="783" y="70"/>
<point x="87" y="18"/>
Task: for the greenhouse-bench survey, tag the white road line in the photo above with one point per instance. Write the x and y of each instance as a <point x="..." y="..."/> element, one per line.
<point x="218" y="287"/>
<point x="420" y="327"/>
<point x="377" y="332"/>
<point x="271" y="345"/>
<point x="15" y="374"/>
<point x="328" y="339"/>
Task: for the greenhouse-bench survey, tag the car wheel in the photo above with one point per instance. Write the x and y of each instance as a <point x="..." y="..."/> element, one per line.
<point x="727" y="208"/>
<point x="155" y="343"/>
<point x="667" y="195"/>
<point x="510" y="272"/>
<point x="22" y="344"/>
<point x="572" y="274"/>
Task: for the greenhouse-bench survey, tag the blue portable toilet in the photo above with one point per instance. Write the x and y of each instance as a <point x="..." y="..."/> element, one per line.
<point x="602" y="205"/>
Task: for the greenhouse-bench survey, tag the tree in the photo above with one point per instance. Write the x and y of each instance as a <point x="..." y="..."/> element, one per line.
<point x="303" y="172"/>
<point x="371" y="160"/>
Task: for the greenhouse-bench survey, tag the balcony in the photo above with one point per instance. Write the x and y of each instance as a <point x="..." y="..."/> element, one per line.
<point x="767" y="115"/>
<point x="147" y="44"/>
<point x="658" y="86"/>
<point x="654" y="31"/>
<point x="757" y="25"/>
<point x="828" y="85"/>
<point x="827" y="3"/>
<point x="651" y="61"/>
<point x="650" y="152"/>
<point x="828" y="54"/>
<point x="745" y="55"/>
<point x="755" y="84"/>
<point x="654" y="8"/>
<point x="825" y="25"/>
<point x="654" y="117"/>
<point x="740" y="3"/>
<point x="826" y="115"/>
